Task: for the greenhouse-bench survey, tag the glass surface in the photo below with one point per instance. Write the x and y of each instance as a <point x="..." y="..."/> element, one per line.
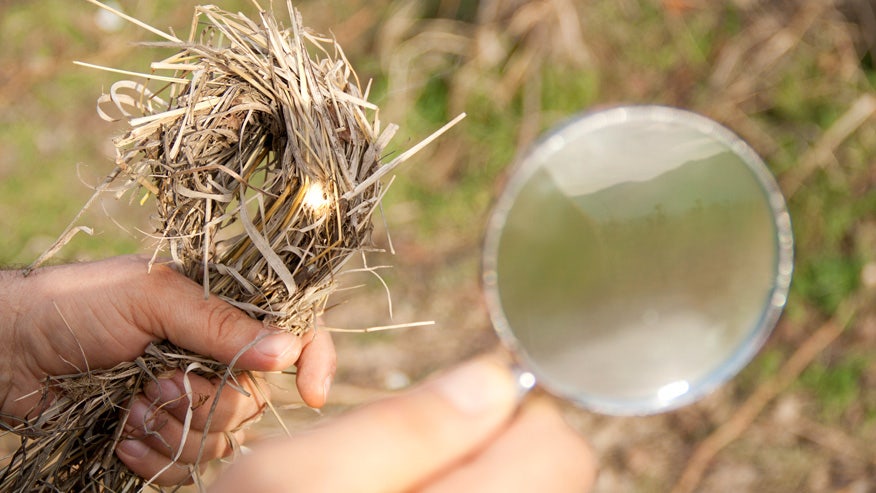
<point x="638" y="258"/>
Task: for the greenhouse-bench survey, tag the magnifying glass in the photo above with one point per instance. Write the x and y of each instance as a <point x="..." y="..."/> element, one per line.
<point x="637" y="259"/>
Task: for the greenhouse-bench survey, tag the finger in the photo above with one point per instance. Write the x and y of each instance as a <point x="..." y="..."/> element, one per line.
<point x="142" y="306"/>
<point x="147" y="463"/>
<point x="544" y="453"/>
<point x="390" y="445"/>
<point x="178" y="311"/>
<point x="165" y="434"/>
<point x="233" y="410"/>
<point x="316" y="369"/>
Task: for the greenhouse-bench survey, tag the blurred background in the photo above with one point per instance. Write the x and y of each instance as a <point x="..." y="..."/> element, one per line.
<point x="793" y="78"/>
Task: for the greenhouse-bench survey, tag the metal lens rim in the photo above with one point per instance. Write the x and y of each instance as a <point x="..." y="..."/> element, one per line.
<point x="587" y="123"/>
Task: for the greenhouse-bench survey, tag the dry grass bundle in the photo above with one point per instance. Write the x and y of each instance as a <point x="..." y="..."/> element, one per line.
<point x="264" y="159"/>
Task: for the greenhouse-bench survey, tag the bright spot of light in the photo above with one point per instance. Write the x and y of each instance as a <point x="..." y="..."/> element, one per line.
<point x="527" y="380"/>
<point x="315" y="197"/>
<point x="672" y="390"/>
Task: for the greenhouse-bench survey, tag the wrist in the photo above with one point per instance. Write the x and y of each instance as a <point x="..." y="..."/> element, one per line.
<point x="11" y="296"/>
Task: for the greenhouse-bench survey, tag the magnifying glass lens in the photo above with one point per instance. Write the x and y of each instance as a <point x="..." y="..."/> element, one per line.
<point x="638" y="259"/>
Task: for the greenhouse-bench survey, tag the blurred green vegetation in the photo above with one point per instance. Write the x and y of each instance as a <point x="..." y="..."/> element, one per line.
<point x="838" y="385"/>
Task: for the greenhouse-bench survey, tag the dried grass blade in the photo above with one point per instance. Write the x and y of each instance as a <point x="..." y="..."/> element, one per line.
<point x="265" y="249"/>
<point x="136" y="21"/>
<point x="162" y="78"/>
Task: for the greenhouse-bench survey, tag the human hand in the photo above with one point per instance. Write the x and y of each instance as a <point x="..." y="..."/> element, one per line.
<point x="457" y="432"/>
<point x="69" y="318"/>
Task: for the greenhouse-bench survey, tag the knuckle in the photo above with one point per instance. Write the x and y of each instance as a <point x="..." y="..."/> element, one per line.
<point x="223" y="320"/>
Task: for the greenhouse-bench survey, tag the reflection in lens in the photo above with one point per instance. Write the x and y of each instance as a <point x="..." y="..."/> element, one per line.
<point x="635" y="263"/>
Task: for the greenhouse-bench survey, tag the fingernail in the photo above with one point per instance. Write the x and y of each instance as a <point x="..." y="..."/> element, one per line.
<point x="276" y="345"/>
<point x="143" y="418"/>
<point x="134" y="449"/>
<point x="165" y="391"/>
<point x="477" y="386"/>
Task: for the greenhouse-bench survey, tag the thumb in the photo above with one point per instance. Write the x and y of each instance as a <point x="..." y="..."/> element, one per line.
<point x="212" y="327"/>
<point x="390" y="445"/>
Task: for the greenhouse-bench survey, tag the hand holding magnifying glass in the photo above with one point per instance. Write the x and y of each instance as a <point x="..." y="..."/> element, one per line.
<point x="638" y="259"/>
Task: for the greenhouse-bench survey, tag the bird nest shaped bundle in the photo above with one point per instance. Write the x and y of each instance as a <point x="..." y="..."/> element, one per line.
<point x="263" y="157"/>
<point x="263" y="161"/>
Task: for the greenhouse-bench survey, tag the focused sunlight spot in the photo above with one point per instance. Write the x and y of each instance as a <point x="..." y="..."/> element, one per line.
<point x="315" y="197"/>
